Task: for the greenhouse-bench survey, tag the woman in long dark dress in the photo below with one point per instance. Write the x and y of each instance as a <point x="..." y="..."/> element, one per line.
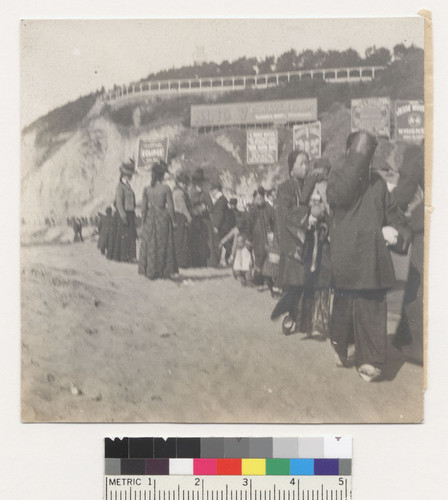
<point x="291" y="225"/>
<point x="124" y="248"/>
<point x="201" y="206"/>
<point x="182" y="214"/>
<point x="157" y="251"/>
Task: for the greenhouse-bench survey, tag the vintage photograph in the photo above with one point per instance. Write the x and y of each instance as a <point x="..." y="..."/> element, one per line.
<point x="222" y="220"/>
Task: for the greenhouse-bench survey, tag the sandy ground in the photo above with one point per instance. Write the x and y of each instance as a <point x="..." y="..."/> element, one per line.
<point x="101" y="343"/>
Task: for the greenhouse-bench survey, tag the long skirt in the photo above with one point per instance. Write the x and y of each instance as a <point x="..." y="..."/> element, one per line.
<point x="200" y="251"/>
<point x="259" y="259"/>
<point x="322" y="311"/>
<point x="106" y="238"/>
<point x="409" y="335"/>
<point x="101" y="245"/>
<point x="157" y="250"/>
<point x="213" y="245"/>
<point x="360" y="317"/>
<point x="124" y="247"/>
<point x="182" y="241"/>
<point x="109" y="239"/>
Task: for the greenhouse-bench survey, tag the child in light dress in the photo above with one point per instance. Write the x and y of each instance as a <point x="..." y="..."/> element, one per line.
<point x="241" y="258"/>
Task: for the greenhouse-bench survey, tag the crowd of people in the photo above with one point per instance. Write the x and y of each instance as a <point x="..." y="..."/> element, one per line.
<point x="321" y="243"/>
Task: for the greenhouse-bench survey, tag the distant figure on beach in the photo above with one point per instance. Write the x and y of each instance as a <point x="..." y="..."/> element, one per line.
<point x="124" y="248"/>
<point x="77" y="229"/>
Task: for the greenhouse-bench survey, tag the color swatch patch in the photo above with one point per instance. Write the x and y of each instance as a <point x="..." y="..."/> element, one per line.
<point x="229" y="456"/>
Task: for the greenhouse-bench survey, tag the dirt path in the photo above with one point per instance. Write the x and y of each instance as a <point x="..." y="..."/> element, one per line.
<point x="101" y="343"/>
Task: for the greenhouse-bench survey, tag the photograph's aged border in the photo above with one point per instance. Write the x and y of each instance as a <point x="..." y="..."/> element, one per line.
<point x="429" y="112"/>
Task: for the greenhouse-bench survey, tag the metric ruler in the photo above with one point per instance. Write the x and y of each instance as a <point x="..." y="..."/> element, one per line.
<point x="228" y="469"/>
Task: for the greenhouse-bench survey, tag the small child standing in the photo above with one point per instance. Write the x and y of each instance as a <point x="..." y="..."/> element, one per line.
<point x="241" y="257"/>
<point x="106" y="232"/>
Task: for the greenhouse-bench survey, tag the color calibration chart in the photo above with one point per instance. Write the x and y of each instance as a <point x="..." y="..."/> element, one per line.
<point x="309" y="468"/>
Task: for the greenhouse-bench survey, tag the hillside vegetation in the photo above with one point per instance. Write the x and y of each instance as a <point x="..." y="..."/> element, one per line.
<point x="288" y="61"/>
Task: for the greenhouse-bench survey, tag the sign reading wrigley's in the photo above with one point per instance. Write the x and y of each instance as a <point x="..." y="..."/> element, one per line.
<point x="242" y="113"/>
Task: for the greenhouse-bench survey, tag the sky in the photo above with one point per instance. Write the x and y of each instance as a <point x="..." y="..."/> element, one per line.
<point x="61" y="60"/>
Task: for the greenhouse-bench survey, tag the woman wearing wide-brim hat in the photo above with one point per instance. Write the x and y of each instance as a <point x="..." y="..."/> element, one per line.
<point x="157" y="257"/>
<point x="124" y="248"/>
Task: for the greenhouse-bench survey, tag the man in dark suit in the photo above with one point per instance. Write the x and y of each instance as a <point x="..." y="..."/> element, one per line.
<point x="365" y="223"/>
<point x="219" y="213"/>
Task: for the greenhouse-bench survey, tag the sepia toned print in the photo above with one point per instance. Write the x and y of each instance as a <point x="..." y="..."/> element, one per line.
<point x="223" y="232"/>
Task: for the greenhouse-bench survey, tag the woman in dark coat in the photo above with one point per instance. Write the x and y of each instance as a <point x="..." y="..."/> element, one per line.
<point x="201" y="206"/>
<point x="182" y="220"/>
<point x="409" y="194"/>
<point x="365" y="223"/>
<point x="157" y="251"/>
<point x="124" y="248"/>
<point x="220" y="219"/>
<point x="291" y="226"/>
<point x="260" y="222"/>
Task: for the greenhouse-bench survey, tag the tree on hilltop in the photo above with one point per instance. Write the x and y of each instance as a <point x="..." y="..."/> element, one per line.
<point x="377" y="57"/>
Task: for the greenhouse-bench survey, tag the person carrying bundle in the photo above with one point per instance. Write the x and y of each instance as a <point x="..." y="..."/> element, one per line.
<point x="365" y="223"/>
